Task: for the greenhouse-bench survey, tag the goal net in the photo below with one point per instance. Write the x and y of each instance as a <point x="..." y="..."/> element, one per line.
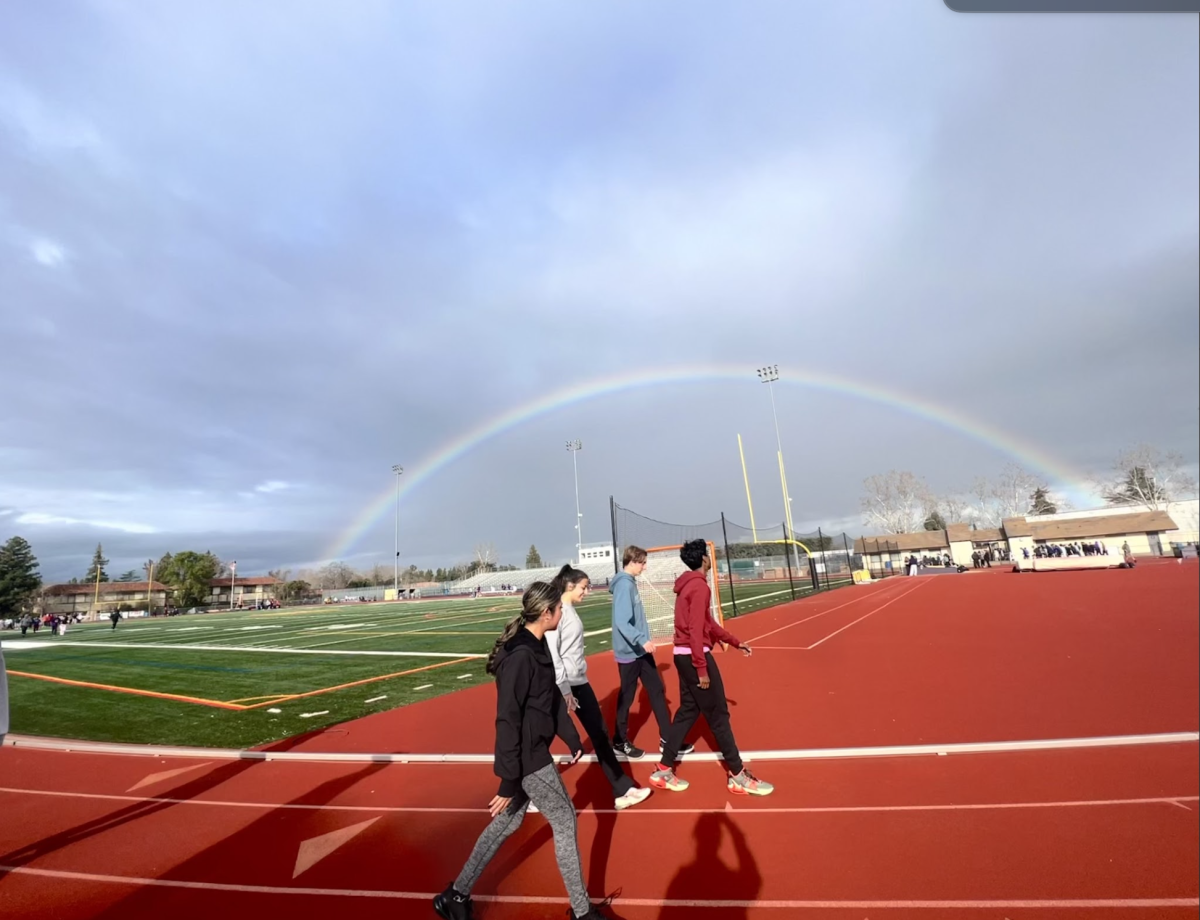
<point x="656" y="587"/>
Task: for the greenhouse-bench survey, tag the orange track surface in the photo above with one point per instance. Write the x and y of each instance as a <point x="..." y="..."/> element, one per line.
<point x="980" y="657"/>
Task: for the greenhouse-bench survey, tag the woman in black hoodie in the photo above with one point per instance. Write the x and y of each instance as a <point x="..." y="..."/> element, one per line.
<point x="530" y="712"/>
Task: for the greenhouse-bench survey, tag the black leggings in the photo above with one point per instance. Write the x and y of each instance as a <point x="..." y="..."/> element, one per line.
<point x="694" y="702"/>
<point x="592" y="720"/>
<point x="644" y="669"/>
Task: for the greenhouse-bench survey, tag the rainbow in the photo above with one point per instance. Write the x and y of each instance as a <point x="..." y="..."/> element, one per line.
<point x="1026" y="453"/>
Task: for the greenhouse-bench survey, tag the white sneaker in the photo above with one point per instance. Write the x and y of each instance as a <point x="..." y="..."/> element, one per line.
<point x="633" y="797"/>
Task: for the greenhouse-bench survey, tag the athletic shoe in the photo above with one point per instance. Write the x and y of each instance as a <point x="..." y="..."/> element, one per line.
<point x="450" y="905"/>
<point x="746" y="783"/>
<point x="665" y="778"/>
<point x="685" y="748"/>
<point x="601" y="911"/>
<point x="630" y="752"/>
<point x="634" y="796"/>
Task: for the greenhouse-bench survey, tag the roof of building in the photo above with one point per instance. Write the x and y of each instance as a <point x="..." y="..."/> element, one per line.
<point x="244" y="580"/>
<point x="1017" y="527"/>
<point x="1110" y="525"/>
<point x="902" y="542"/>
<point x="106" y="587"/>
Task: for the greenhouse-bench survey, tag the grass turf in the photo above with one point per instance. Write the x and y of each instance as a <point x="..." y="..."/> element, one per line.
<point x="389" y="655"/>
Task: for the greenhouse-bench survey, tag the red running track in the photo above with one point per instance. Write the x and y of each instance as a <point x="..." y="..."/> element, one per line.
<point x="1106" y="831"/>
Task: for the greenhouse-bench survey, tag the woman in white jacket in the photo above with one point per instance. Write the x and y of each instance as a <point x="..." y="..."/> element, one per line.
<point x="570" y="673"/>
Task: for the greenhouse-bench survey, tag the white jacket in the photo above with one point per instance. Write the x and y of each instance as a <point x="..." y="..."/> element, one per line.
<point x="566" y="648"/>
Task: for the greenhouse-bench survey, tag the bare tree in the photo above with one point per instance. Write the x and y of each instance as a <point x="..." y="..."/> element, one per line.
<point x="335" y="575"/>
<point x="1148" y="477"/>
<point x="953" y="508"/>
<point x="1010" y="494"/>
<point x="895" y="501"/>
<point x="485" y="557"/>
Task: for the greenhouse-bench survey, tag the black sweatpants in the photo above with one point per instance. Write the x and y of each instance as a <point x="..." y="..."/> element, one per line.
<point x="592" y="720"/>
<point x="693" y="703"/>
<point x="644" y="669"/>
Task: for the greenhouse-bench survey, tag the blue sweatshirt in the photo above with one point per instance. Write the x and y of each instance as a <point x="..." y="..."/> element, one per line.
<point x="630" y="631"/>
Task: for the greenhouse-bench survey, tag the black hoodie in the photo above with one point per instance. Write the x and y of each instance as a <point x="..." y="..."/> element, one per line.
<point x="530" y="711"/>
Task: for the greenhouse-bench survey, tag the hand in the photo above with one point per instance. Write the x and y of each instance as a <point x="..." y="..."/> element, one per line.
<point x="704" y="682"/>
<point x="747" y="651"/>
<point x="498" y="804"/>
<point x="649" y="647"/>
<point x="575" y="756"/>
<point x="572" y="703"/>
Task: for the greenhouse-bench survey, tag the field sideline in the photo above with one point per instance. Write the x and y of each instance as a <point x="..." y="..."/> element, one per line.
<point x="248" y="678"/>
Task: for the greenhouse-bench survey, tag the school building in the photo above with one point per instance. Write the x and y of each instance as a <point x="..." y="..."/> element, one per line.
<point x="1148" y="533"/>
<point x="88" y="599"/>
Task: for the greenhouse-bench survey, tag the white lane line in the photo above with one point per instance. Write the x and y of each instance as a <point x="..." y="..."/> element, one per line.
<point x="274" y="650"/>
<point x="747" y="810"/>
<point x="865" y="615"/>
<point x="970" y="747"/>
<point x="860" y="597"/>
<point x="1011" y="904"/>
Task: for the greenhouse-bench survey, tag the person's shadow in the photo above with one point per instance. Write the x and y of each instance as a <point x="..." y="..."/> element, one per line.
<point x="707" y="876"/>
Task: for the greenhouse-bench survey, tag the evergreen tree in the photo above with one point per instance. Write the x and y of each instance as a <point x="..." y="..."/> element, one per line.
<point x="131" y="575"/>
<point x="935" y="521"/>
<point x="533" y="559"/>
<point x="98" y="564"/>
<point x="19" y="577"/>
<point x="1040" y="502"/>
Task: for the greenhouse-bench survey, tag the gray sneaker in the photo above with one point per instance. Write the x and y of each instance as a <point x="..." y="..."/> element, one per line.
<point x="746" y="783"/>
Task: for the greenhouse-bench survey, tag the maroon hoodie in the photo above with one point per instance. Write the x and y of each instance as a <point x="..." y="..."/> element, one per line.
<point x="694" y="625"/>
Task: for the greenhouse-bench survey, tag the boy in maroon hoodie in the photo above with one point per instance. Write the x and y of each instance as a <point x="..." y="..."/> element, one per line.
<point x="701" y="691"/>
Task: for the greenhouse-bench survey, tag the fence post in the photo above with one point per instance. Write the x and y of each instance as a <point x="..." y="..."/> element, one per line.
<point x="824" y="557"/>
<point x="728" y="569"/>
<point x="787" y="556"/>
<point x="612" y="516"/>
<point x="849" y="558"/>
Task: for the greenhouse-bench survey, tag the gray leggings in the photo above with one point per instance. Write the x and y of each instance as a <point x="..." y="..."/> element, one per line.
<point x="545" y="788"/>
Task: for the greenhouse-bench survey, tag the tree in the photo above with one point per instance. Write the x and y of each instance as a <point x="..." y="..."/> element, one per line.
<point x="335" y="576"/>
<point x="935" y="521"/>
<point x="19" y="577"/>
<point x="148" y="567"/>
<point x="533" y="559"/>
<point x="190" y="574"/>
<point x="131" y="575"/>
<point x="294" y="590"/>
<point x="98" y="564"/>
<point x="895" y="502"/>
<point x="485" y="557"/>
<point x="1040" y="502"/>
<point x="1006" y="496"/>
<point x="1149" y="477"/>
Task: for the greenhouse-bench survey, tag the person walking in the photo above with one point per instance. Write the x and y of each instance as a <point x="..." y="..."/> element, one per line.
<point x="530" y="712"/>
<point x="570" y="673"/>
<point x="634" y="653"/>
<point x="701" y="690"/>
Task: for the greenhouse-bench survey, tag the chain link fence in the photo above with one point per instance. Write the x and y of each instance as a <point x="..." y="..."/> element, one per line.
<point x="757" y="567"/>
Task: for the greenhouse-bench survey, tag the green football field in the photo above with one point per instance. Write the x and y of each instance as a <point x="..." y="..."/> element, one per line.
<point x="246" y="678"/>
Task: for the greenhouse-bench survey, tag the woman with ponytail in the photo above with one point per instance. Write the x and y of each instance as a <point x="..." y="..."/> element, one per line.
<point x="530" y="712"/>
<point x="570" y="673"/>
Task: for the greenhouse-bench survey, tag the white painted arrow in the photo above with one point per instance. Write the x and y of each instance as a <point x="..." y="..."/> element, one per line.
<point x="313" y="850"/>
<point x="165" y="774"/>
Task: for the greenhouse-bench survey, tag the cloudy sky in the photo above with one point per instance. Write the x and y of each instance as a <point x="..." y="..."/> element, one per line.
<point x="251" y="255"/>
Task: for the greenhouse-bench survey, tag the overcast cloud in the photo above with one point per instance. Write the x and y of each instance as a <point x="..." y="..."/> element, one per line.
<point x="253" y="255"/>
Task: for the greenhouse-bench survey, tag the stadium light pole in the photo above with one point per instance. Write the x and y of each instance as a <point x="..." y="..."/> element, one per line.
<point x="575" y="447"/>
<point x="232" y="581"/>
<point x="770" y="375"/>
<point x="399" y="471"/>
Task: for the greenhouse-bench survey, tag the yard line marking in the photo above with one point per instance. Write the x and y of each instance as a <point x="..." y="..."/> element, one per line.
<point x="864" y="616"/>
<point x="309" y="715"/>
<point x="462" y="677"/>
<point x="376" y="699"/>
<point x="749" y="810"/>
<point x="970" y="747"/>
<point x="272" y="650"/>
<point x="1012" y="904"/>
<point x="423" y="687"/>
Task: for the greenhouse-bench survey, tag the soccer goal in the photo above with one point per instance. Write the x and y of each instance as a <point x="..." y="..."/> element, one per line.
<point x="656" y="586"/>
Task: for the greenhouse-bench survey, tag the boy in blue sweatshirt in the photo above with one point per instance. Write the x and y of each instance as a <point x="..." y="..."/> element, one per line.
<point x="634" y="652"/>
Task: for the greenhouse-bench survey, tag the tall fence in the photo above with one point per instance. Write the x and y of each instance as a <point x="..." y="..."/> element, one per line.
<point x="756" y="567"/>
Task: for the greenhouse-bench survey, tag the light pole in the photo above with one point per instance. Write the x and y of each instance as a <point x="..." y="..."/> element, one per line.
<point x="399" y="471"/>
<point x="575" y="447"/>
<point x="769" y="375"/>
<point x="232" y="581"/>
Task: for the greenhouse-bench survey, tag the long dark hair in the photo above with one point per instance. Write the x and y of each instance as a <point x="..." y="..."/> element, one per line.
<point x="537" y="599"/>
<point x="568" y="575"/>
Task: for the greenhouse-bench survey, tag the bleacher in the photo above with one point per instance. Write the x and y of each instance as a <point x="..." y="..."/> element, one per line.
<point x="598" y="572"/>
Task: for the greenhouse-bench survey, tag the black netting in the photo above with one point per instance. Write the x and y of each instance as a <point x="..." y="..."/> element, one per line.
<point x="756" y="567"/>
